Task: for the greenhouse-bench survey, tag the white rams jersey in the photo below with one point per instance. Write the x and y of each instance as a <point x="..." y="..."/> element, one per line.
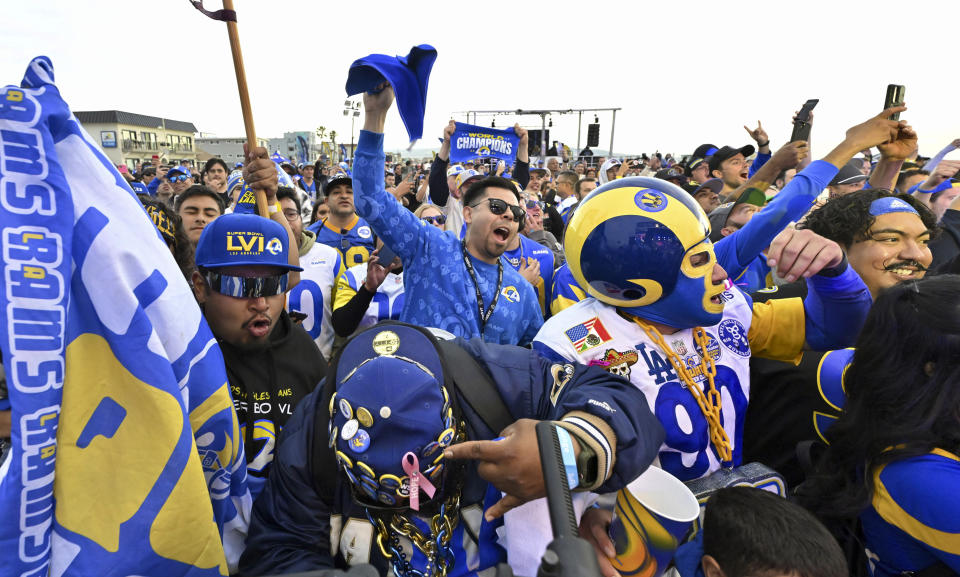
<point x="387" y="303"/>
<point x="313" y="295"/>
<point x="591" y="332"/>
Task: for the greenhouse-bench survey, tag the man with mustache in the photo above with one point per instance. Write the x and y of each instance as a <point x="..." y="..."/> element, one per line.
<point x="885" y="237"/>
<point x="244" y="264"/>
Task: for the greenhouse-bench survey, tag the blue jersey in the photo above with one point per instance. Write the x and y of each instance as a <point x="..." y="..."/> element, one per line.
<point x="439" y="290"/>
<point x="532" y="249"/>
<point x="913" y="521"/>
<point x="295" y="528"/>
<point x="355" y="242"/>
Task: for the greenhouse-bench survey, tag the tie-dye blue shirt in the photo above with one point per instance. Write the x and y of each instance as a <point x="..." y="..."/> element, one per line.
<point x="440" y="292"/>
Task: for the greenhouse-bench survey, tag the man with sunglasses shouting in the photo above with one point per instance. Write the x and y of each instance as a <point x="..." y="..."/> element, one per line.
<point x="460" y="286"/>
<point x="244" y="269"/>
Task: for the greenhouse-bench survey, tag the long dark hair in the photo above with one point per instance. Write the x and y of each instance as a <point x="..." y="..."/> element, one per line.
<point x="903" y="393"/>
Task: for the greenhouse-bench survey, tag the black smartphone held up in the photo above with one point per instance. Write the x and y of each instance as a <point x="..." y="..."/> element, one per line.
<point x="386" y="256"/>
<point x="894" y="97"/>
<point x="801" y="124"/>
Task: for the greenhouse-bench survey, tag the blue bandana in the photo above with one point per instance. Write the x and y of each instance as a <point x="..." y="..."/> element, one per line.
<point x="408" y="75"/>
<point x="889" y="204"/>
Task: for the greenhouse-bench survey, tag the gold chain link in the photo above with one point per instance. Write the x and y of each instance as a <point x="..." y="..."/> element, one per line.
<point x="709" y="402"/>
<point x="427" y="544"/>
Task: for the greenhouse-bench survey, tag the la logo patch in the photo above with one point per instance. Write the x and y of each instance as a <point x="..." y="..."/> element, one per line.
<point x="274" y="246"/>
<point x="511" y="294"/>
<point x="650" y="200"/>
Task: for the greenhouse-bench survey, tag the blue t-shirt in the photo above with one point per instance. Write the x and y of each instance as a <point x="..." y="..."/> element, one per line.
<point x="354" y="242"/>
<point x="530" y="248"/>
<point x="440" y="292"/>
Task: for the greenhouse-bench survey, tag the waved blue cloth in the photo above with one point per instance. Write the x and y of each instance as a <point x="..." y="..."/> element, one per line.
<point x="469" y="142"/>
<point x="409" y="76"/>
<point x="115" y="381"/>
<point x="279" y="158"/>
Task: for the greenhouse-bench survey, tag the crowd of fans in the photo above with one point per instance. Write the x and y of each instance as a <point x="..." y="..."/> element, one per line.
<point x="775" y="254"/>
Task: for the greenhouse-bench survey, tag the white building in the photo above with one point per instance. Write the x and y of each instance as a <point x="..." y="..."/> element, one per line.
<point x="229" y="149"/>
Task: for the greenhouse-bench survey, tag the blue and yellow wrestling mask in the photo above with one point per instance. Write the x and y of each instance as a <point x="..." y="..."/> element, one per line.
<point x="629" y="244"/>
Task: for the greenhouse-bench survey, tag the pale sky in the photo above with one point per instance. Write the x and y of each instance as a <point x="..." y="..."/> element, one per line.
<point x="684" y="73"/>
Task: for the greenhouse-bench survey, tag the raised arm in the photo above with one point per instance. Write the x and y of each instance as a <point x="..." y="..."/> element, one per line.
<point x="892" y="155"/>
<point x="759" y="135"/>
<point x="439" y="191"/>
<point x="736" y="251"/>
<point x="389" y="219"/>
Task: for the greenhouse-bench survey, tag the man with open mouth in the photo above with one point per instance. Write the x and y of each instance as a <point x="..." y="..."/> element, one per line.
<point x="461" y="286"/>
<point x="241" y="280"/>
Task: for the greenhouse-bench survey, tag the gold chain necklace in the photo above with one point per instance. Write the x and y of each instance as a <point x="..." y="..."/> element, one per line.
<point x="708" y="401"/>
<point x="433" y="546"/>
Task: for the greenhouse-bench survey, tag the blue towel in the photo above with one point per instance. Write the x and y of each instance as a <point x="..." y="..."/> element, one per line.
<point x="408" y="75"/>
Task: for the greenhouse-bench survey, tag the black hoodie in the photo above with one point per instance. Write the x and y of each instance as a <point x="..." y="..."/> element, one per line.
<point x="266" y="386"/>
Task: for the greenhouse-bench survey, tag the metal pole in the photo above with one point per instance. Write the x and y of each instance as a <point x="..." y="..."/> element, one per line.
<point x="579" y="124"/>
<point x="613" y="124"/>
<point x="543" y="139"/>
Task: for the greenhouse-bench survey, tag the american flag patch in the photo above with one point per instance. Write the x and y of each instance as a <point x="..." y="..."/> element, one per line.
<point x="588" y="335"/>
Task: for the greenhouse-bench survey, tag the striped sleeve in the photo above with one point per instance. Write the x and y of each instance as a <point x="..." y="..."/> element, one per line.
<point x="595" y="433"/>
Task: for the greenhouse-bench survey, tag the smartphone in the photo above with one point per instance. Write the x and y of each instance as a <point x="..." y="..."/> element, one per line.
<point x="386" y="256"/>
<point x="801" y="126"/>
<point x="894" y="97"/>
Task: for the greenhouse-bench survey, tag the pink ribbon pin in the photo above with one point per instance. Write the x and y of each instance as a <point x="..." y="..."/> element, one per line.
<point x="411" y="466"/>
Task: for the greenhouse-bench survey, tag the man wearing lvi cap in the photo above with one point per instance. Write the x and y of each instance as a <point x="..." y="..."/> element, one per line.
<point x="389" y="463"/>
<point x="244" y="263"/>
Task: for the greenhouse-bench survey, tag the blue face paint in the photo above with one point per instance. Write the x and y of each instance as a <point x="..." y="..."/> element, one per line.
<point x="682" y="309"/>
<point x="688" y="305"/>
<point x="888" y="204"/>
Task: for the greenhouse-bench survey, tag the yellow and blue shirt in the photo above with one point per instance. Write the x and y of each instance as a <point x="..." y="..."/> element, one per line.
<point x="355" y="242"/>
<point x="913" y="521"/>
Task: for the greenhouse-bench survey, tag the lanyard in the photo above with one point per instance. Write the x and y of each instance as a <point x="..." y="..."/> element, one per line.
<point x="484" y="314"/>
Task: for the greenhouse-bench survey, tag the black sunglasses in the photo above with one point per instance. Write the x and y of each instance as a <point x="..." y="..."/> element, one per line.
<point x="499" y="207"/>
<point x="439" y="219"/>
<point x="247" y="287"/>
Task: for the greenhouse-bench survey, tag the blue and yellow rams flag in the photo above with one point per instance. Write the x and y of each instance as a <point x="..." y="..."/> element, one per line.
<point x="126" y="455"/>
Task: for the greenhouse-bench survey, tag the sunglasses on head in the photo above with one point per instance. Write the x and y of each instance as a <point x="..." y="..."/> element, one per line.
<point x="439" y="219"/>
<point x="247" y="287"/>
<point x="179" y="178"/>
<point x="499" y="207"/>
